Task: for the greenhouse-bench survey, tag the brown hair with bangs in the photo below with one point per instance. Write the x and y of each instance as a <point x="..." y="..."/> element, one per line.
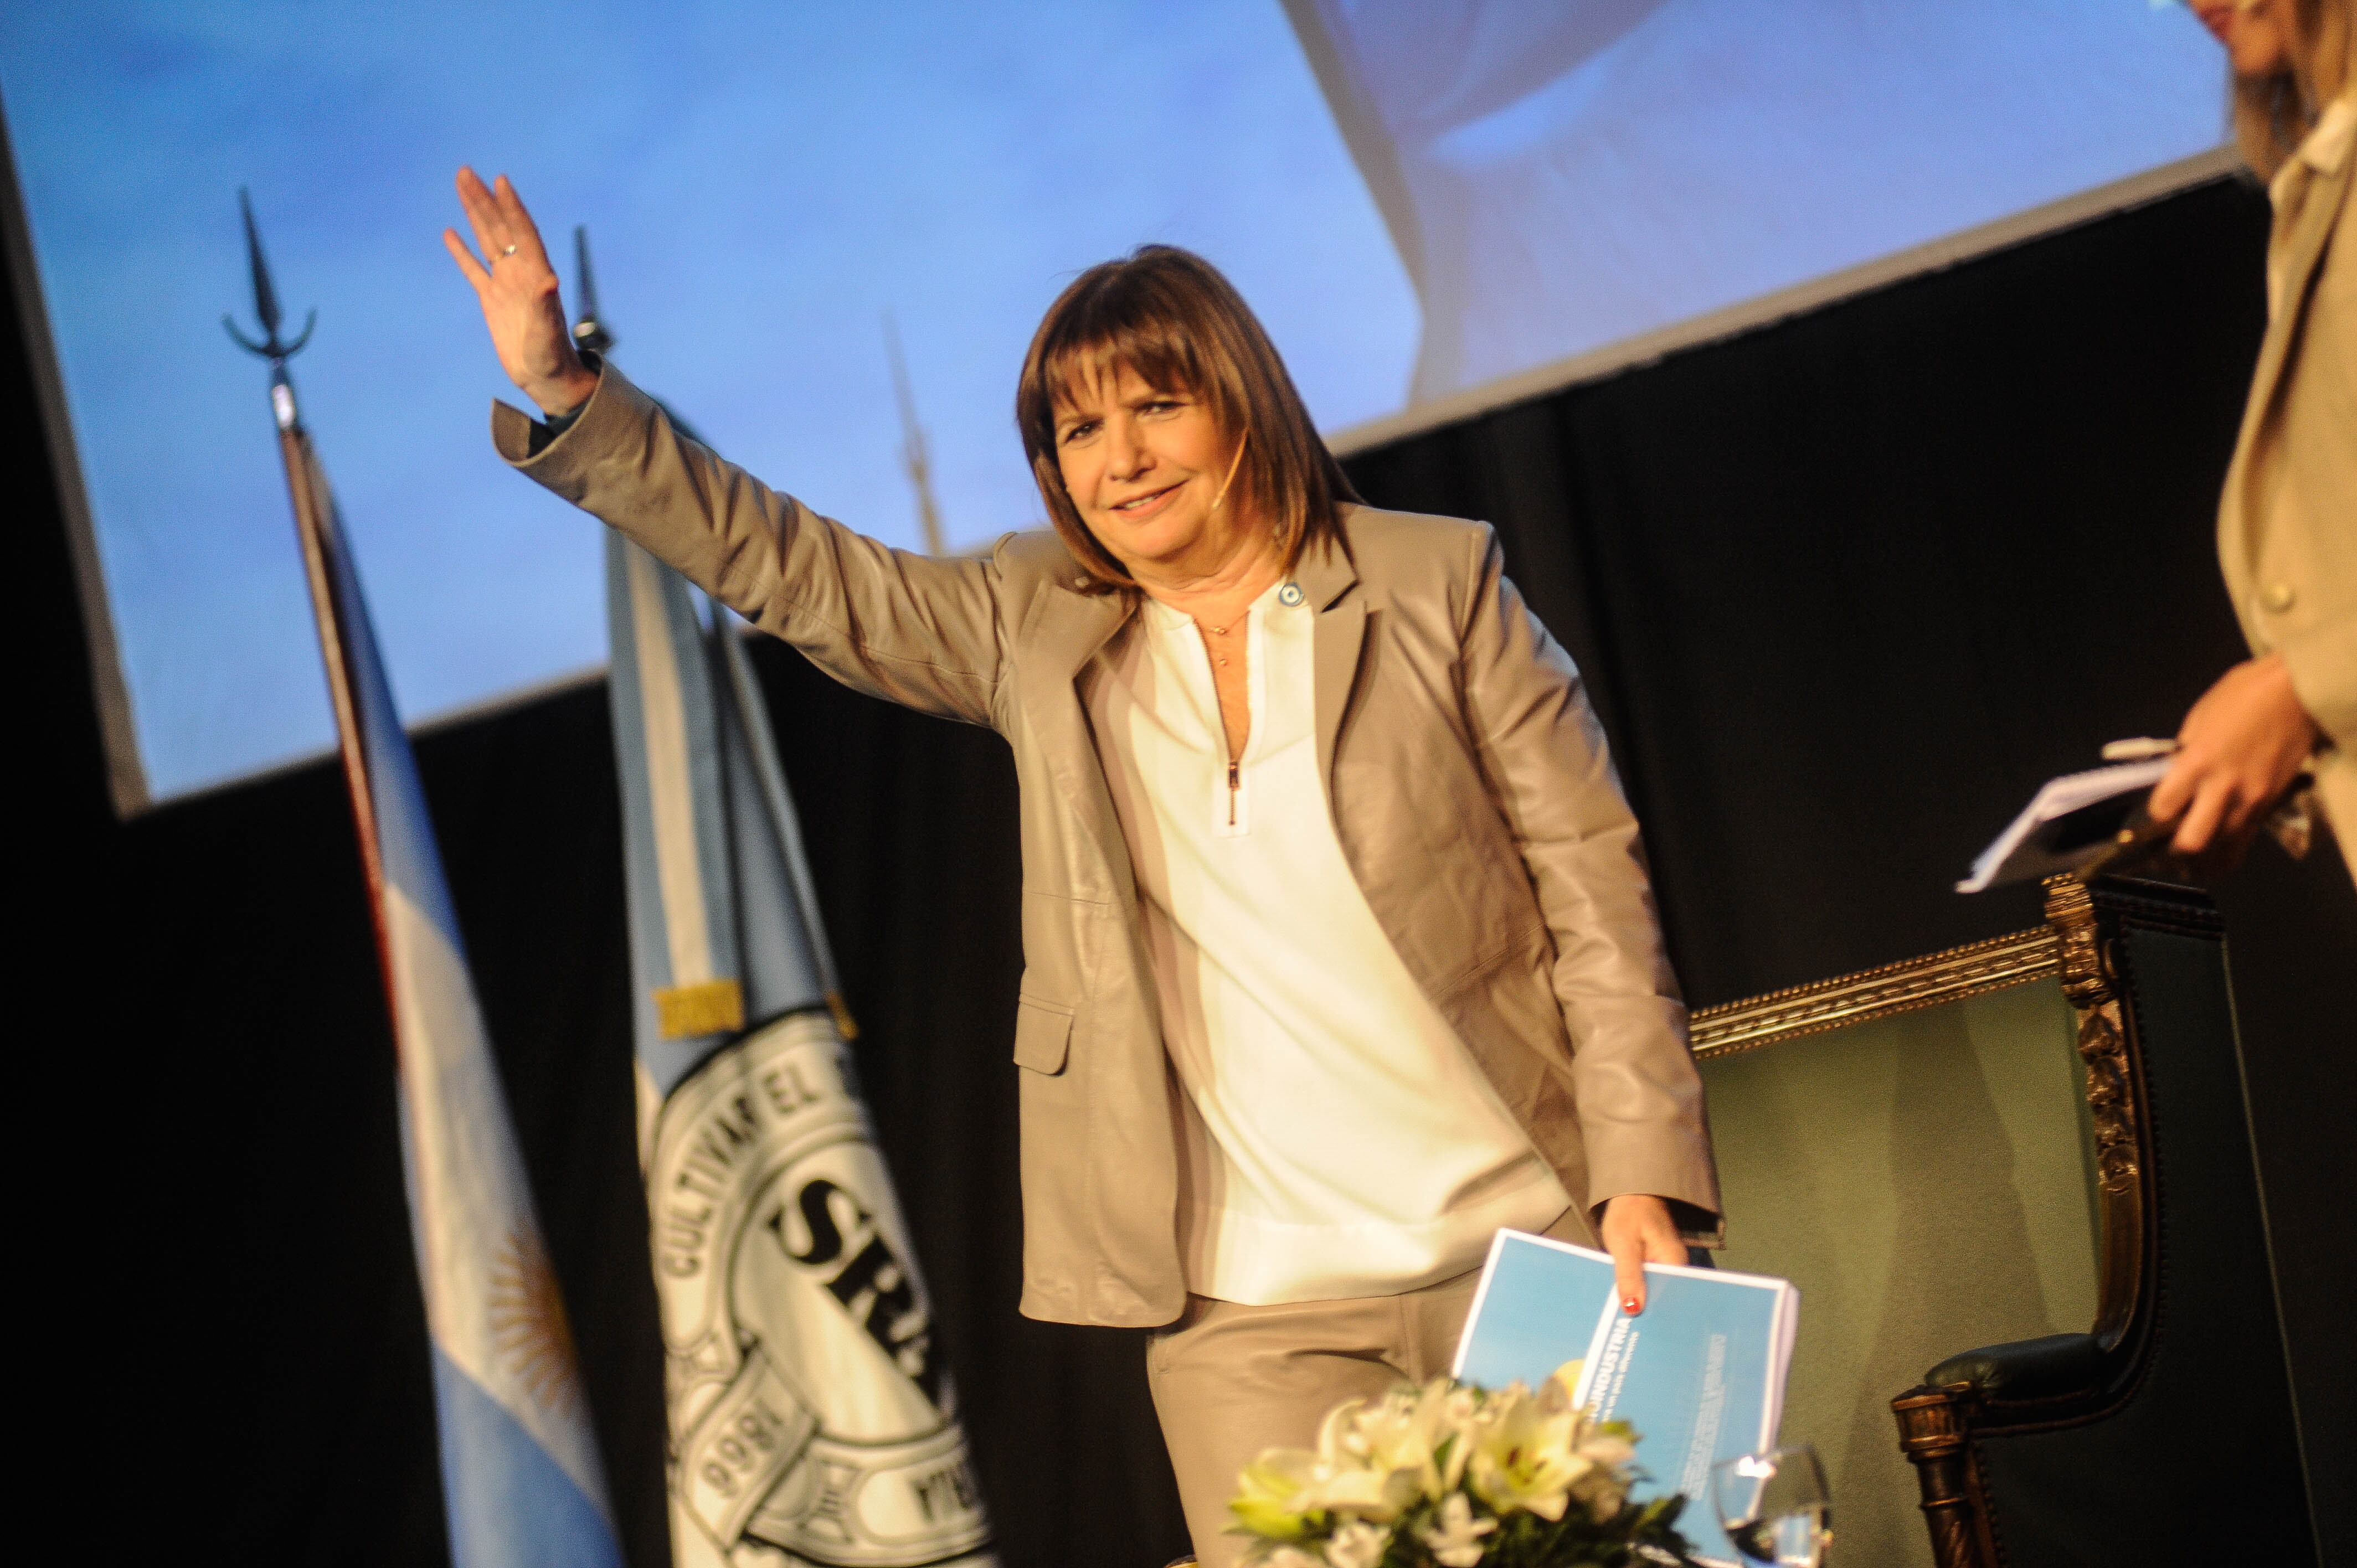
<point x="1168" y="315"/>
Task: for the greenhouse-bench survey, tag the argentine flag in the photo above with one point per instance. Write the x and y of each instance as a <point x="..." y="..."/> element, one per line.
<point x="812" y="1418"/>
<point x="521" y="1476"/>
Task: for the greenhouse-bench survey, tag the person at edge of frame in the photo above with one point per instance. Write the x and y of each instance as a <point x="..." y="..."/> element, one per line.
<point x="2287" y="519"/>
<point x="1340" y="949"/>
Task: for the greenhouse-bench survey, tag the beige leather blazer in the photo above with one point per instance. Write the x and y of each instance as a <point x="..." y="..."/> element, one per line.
<point x="1467" y="776"/>
<point x="2287" y="519"/>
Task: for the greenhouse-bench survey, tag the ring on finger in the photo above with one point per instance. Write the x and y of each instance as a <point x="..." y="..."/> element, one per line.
<point x="506" y="250"/>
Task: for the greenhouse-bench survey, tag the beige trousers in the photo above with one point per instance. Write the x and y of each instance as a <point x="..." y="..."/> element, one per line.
<point x="1229" y="1381"/>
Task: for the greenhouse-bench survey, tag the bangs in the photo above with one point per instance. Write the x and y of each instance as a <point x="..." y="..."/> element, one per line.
<point x="1100" y="341"/>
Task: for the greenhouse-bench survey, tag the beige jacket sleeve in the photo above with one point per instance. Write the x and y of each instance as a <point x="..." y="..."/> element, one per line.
<point x="918" y="631"/>
<point x="2305" y="587"/>
<point x="1640" y="1100"/>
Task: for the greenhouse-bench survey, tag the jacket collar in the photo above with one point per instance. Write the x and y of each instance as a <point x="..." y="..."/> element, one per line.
<point x="1070" y="620"/>
<point x="1065" y="626"/>
<point x="2303" y="255"/>
<point x="1327" y="575"/>
<point x="1326" y="571"/>
<point x="2327" y="141"/>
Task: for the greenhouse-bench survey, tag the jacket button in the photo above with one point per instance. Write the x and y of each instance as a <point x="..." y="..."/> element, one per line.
<point x="2277" y="596"/>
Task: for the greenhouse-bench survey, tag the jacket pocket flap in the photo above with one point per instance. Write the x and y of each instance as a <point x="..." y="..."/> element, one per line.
<point x="1043" y="1036"/>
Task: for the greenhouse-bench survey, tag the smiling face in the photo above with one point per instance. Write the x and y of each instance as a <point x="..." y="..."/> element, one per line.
<point x="2254" y="31"/>
<point x="1150" y="393"/>
<point x="1148" y="470"/>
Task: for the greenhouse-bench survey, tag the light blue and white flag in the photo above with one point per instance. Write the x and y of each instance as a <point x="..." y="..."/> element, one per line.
<point x="811" y="1412"/>
<point x="522" y="1481"/>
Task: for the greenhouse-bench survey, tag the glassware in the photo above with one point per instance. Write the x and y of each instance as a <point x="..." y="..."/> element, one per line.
<point x="1773" y="1505"/>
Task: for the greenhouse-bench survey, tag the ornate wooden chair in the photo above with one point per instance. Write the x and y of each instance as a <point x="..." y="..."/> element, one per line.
<point x="2165" y="1432"/>
<point x="1914" y="1146"/>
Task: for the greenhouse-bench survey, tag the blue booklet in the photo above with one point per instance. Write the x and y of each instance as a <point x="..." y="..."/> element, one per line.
<point x="1699" y="1373"/>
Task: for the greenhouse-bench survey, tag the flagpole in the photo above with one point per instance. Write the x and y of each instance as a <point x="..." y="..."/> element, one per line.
<point x="846" y="1387"/>
<point x="311" y="522"/>
<point x="522" y="1480"/>
<point x="591" y="334"/>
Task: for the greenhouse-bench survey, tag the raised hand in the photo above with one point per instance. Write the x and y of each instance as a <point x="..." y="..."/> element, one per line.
<point x="518" y="291"/>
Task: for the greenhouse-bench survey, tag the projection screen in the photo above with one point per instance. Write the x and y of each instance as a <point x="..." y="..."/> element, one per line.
<point x="1436" y="209"/>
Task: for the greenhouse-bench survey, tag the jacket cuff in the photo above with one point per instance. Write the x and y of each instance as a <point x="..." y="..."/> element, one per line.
<point x="559" y="452"/>
<point x="1697" y="1217"/>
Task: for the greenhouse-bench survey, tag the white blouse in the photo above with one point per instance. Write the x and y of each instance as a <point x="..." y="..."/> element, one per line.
<point x="1338" y="1140"/>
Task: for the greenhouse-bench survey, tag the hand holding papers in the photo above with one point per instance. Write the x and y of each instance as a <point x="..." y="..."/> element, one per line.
<point x="2069" y="823"/>
<point x="1700" y="1374"/>
<point x="2088" y="822"/>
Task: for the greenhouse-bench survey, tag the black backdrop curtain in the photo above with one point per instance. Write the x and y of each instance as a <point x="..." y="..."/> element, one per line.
<point x="1845" y="589"/>
<point x="1849" y="589"/>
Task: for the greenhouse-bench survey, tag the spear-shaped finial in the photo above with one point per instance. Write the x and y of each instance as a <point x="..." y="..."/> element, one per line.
<point x="265" y="298"/>
<point x="266" y="306"/>
<point x="589" y="334"/>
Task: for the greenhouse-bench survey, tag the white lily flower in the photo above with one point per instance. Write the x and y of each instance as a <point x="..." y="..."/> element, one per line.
<point x="1515" y="1450"/>
<point x="1276" y="1493"/>
<point x="1603" y="1486"/>
<point x="1523" y="1459"/>
<point x="1401" y="1438"/>
<point x="1455" y="1535"/>
<point x="1452" y="1413"/>
<point x="1366" y="1465"/>
<point x="1290" y="1557"/>
<point x="1610" y="1451"/>
<point x="1357" y="1545"/>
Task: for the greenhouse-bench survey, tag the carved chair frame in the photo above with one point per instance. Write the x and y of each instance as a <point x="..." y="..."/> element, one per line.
<point x="1938" y="1422"/>
<point x="2082" y="922"/>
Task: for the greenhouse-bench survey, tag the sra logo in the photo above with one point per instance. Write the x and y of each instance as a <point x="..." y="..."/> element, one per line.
<point x="812" y="1418"/>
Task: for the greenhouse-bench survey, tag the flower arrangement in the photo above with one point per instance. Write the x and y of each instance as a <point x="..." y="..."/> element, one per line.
<point x="1451" y="1475"/>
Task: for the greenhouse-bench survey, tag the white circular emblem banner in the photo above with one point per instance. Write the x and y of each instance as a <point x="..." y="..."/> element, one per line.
<point x="812" y="1417"/>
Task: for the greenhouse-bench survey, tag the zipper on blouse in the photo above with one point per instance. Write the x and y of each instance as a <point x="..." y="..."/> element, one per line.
<point x="1233" y="787"/>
